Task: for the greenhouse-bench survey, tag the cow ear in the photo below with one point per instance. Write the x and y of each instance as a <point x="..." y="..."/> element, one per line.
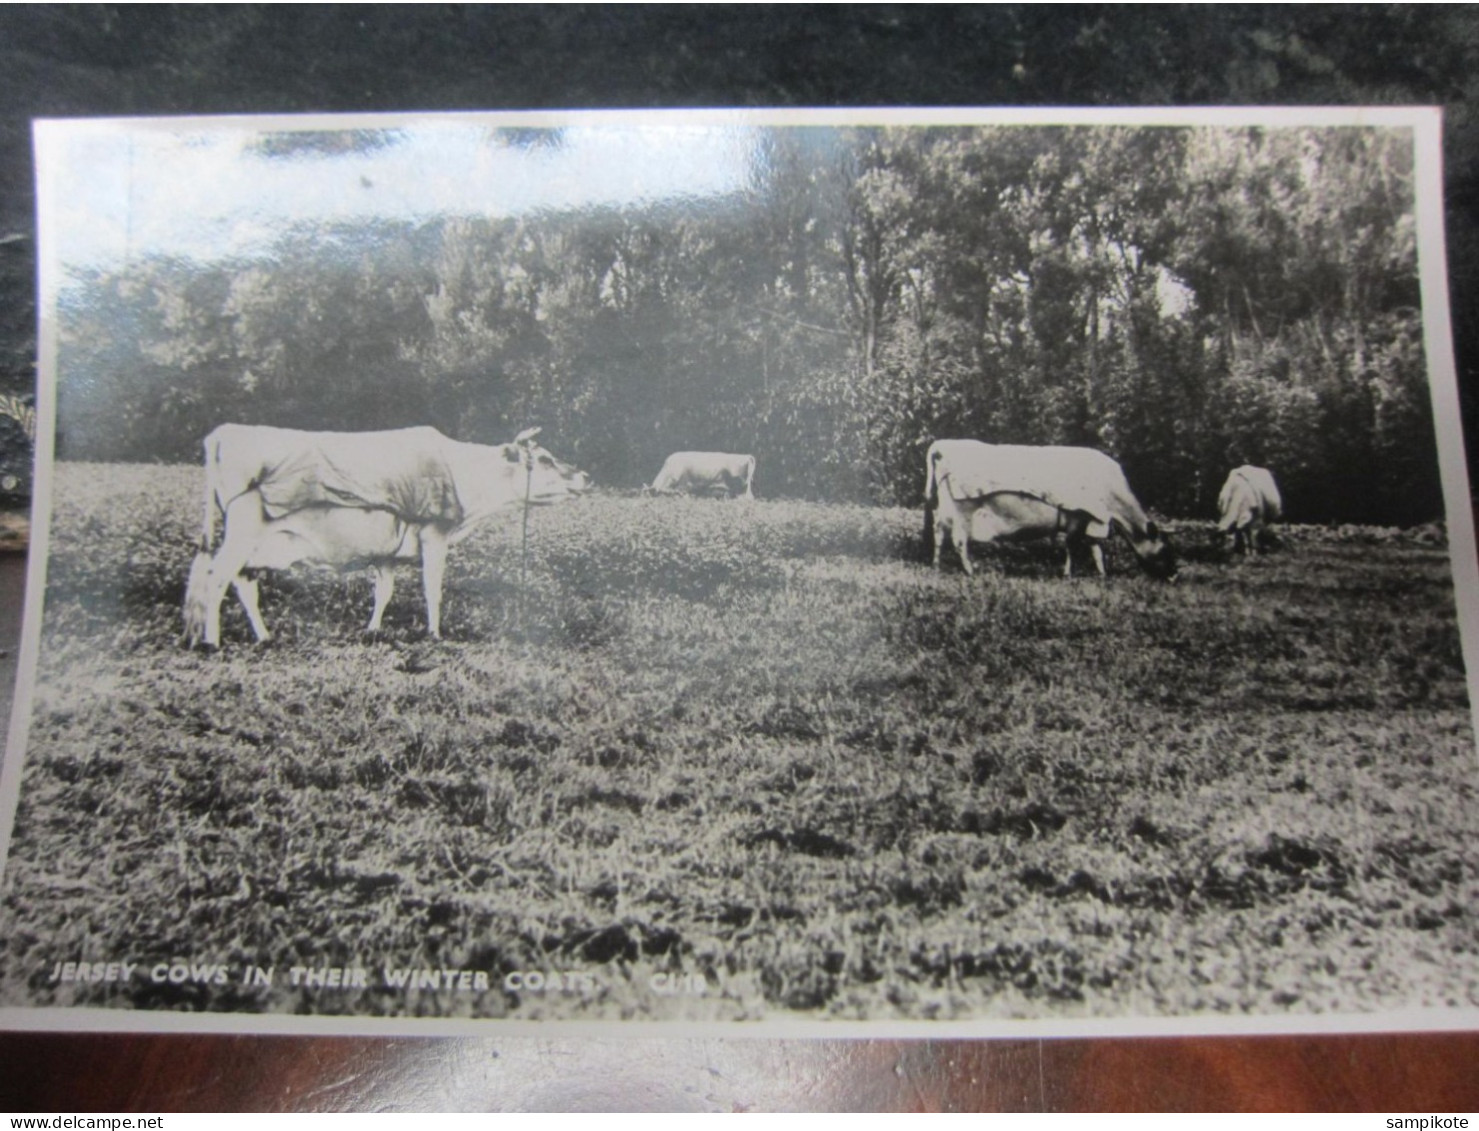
<point x="512" y="454"/>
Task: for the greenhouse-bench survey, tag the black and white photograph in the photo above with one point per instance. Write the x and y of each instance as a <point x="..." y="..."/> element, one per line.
<point x="781" y="572"/>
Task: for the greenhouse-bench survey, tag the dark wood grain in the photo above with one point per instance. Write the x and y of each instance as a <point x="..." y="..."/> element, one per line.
<point x="1406" y="1072"/>
<point x="1378" y="1072"/>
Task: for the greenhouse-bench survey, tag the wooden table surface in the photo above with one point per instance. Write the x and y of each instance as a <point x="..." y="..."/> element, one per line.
<point x="50" y="1072"/>
<point x="1408" y="1072"/>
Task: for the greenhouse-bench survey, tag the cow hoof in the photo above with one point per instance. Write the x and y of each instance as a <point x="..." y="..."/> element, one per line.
<point x="194" y="637"/>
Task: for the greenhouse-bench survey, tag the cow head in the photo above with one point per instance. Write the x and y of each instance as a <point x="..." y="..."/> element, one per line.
<point x="1157" y="555"/>
<point x="549" y="479"/>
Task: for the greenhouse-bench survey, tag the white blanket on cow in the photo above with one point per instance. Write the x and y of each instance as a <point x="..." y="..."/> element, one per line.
<point x="1074" y="479"/>
<point x="407" y="471"/>
<point x="1249" y="494"/>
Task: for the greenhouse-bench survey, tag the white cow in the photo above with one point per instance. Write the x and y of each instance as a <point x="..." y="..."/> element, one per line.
<point x="1248" y="502"/>
<point x="706" y="473"/>
<point x="991" y="492"/>
<point x="352" y="500"/>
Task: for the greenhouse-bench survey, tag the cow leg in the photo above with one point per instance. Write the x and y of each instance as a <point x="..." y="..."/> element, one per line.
<point x="433" y="568"/>
<point x="1076" y="538"/>
<point x="208" y="582"/>
<point x="384" y="576"/>
<point x="1077" y="542"/>
<point x="960" y="536"/>
<point x="195" y="604"/>
<point x="246" y="593"/>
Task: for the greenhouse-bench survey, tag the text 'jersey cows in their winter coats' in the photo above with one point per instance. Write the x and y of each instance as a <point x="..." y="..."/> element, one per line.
<point x="989" y="492"/>
<point x="352" y="500"/>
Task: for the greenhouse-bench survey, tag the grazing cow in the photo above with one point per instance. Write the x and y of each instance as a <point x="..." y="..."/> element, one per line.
<point x="1248" y="502"/>
<point x="706" y="473"/>
<point x="352" y="500"/>
<point x="991" y="492"/>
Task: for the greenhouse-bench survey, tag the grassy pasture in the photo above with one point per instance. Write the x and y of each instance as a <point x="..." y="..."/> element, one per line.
<point x="763" y="743"/>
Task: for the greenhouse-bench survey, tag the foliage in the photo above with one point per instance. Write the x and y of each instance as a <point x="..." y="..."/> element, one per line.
<point x="1186" y="299"/>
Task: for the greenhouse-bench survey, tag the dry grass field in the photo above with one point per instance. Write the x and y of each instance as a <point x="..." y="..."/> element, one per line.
<point x="757" y="753"/>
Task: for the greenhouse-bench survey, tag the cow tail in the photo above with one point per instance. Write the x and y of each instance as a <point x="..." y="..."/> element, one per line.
<point x="750" y="478"/>
<point x="212" y="471"/>
<point x="197" y="582"/>
<point x="931" y="498"/>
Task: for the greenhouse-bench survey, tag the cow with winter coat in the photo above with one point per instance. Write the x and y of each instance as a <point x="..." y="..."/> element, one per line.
<point x="1247" y="504"/>
<point x="706" y="473"/>
<point x="352" y="500"/>
<point x="990" y="492"/>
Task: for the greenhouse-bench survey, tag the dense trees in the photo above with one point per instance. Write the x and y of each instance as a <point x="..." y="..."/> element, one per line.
<point x="1186" y="299"/>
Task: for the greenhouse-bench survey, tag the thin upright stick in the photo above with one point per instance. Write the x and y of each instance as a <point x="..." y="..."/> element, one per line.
<point x="525" y="440"/>
<point x="524" y="555"/>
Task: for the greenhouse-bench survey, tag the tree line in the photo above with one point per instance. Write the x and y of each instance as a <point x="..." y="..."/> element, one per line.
<point x="1186" y="299"/>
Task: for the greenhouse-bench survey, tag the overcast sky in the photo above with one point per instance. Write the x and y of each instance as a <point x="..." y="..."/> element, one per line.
<point x="115" y="191"/>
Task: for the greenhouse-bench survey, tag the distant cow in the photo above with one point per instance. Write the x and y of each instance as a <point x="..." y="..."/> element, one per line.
<point x="352" y="500"/>
<point x="1248" y="502"/>
<point x="991" y="492"/>
<point x="706" y="473"/>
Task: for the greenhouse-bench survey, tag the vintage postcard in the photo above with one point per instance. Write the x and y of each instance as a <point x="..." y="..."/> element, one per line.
<point x="749" y="572"/>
